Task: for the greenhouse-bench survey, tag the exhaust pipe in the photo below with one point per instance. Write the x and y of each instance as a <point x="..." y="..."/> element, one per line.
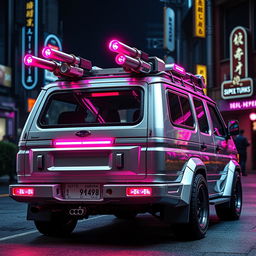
<point x="77" y="211"/>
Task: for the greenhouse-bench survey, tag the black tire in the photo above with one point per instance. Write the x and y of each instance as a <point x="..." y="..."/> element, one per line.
<point x="232" y="210"/>
<point x="126" y="215"/>
<point x="198" y="223"/>
<point x="59" y="226"/>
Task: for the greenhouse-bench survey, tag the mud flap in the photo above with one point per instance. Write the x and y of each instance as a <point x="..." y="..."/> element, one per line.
<point x="173" y="215"/>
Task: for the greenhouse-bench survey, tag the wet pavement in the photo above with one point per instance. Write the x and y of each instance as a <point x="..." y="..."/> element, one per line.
<point x="106" y="235"/>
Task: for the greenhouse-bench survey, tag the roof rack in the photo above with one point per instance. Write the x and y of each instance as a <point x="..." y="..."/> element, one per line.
<point x="129" y="58"/>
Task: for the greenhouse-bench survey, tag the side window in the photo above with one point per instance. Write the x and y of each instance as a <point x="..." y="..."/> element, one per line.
<point x="180" y="110"/>
<point x="201" y="116"/>
<point x="218" y="126"/>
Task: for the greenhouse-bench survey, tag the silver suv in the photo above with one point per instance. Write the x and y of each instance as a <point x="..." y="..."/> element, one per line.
<point x="124" y="141"/>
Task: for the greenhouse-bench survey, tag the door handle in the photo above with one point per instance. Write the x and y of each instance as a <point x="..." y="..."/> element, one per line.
<point x="203" y="147"/>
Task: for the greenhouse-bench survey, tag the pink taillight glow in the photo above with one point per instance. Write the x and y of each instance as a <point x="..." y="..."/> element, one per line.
<point x="23" y="191"/>
<point x="83" y="143"/>
<point x="47" y="52"/>
<point x="28" y="59"/>
<point x="114" y="45"/>
<point x="179" y="69"/>
<point x="139" y="191"/>
<point x="120" y="59"/>
<point x="104" y="94"/>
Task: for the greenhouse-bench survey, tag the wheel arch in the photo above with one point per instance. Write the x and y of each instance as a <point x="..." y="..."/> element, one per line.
<point x="231" y="167"/>
<point x="192" y="167"/>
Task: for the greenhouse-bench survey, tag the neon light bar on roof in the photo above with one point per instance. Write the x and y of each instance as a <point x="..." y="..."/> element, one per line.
<point x="133" y="64"/>
<point x="30" y="60"/>
<point x="120" y="59"/>
<point x="104" y="94"/>
<point x="179" y="69"/>
<point x="119" y="47"/>
<point x="48" y="52"/>
<point x="83" y="143"/>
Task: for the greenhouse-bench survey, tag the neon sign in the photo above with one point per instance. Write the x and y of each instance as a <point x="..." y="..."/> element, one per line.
<point x="240" y="85"/>
<point x="29" y="75"/>
<point x="240" y="105"/>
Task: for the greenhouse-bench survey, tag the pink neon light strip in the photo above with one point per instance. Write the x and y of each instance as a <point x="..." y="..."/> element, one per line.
<point x="82" y="143"/>
<point x="179" y="69"/>
<point x="104" y="94"/>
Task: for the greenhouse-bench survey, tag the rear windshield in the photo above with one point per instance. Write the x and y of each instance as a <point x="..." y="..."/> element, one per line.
<point x="92" y="107"/>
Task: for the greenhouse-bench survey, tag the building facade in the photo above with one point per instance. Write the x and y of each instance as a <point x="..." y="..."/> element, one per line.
<point x="25" y="27"/>
<point x="234" y="66"/>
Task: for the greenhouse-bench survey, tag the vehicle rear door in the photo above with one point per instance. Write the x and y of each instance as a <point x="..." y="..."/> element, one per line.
<point x="94" y="133"/>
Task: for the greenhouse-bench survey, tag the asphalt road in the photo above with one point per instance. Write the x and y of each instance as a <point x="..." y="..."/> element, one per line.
<point x="108" y="236"/>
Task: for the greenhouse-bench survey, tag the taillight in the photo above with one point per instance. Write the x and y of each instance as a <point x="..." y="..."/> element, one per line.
<point x="139" y="191"/>
<point x="23" y="191"/>
<point x="83" y="143"/>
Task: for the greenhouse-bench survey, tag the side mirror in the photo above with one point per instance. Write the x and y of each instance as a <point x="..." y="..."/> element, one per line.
<point x="233" y="127"/>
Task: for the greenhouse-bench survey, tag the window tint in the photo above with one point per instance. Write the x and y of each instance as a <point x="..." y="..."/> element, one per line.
<point x="201" y="116"/>
<point x="218" y="126"/>
<point x="82" y="108"/>
<point x="180" y="110"/>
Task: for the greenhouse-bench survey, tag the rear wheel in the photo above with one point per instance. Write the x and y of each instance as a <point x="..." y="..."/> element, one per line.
<point x="232" y="210"/>
<point x="199" y="212"/>
<point x="60" y="225"/>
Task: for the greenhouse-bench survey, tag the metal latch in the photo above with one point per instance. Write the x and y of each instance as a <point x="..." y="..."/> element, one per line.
<point x="120" y="160"/>
<point x="40" y="162"/>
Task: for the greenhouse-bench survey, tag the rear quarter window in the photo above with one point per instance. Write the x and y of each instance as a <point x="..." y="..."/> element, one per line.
<point x="180" y="110"/>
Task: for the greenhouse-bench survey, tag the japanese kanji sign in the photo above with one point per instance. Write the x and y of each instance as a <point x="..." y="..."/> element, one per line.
<point x="202" y="70"/>
<point x="240" y="84"/>
<point x="199" y="18"/>
<point x="238" y="53"/>
<point x="30" y="43"/>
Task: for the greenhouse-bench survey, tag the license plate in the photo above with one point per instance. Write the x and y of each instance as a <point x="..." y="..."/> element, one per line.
<point x="82" y="191"/>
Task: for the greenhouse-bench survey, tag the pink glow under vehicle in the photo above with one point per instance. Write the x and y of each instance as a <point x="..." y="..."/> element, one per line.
<point x="123" y="141"/>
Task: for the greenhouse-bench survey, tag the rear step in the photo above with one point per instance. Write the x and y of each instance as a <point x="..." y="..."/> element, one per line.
<point x="219" y="200"/>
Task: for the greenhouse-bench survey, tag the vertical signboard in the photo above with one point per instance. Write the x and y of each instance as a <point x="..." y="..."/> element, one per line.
<point x="169" y="29"/>
<point x="202" y="70"/>
<point x="54" y="42"/>
<point x="238" y="53"/>
<point x="199" y="18"/>
<point x="240" y="85"/>
<point x="30" y="43"/>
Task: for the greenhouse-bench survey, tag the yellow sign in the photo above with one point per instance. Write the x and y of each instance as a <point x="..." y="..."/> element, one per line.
<point x="202" y="70"/>
<point x="199" y="18"/>
<point x="30" y="103"/>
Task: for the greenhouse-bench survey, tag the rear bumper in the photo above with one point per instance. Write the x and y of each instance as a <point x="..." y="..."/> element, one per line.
<point x="169" y="194"/>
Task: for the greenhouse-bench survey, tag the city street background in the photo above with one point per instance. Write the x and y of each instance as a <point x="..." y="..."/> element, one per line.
<point x="144" y="236"/>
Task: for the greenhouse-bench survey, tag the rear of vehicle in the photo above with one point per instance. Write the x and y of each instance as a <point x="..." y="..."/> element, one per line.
<point x="84" y="135"/>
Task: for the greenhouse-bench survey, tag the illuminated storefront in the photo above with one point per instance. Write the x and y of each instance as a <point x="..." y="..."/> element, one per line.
<point x="235" y="55"/>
